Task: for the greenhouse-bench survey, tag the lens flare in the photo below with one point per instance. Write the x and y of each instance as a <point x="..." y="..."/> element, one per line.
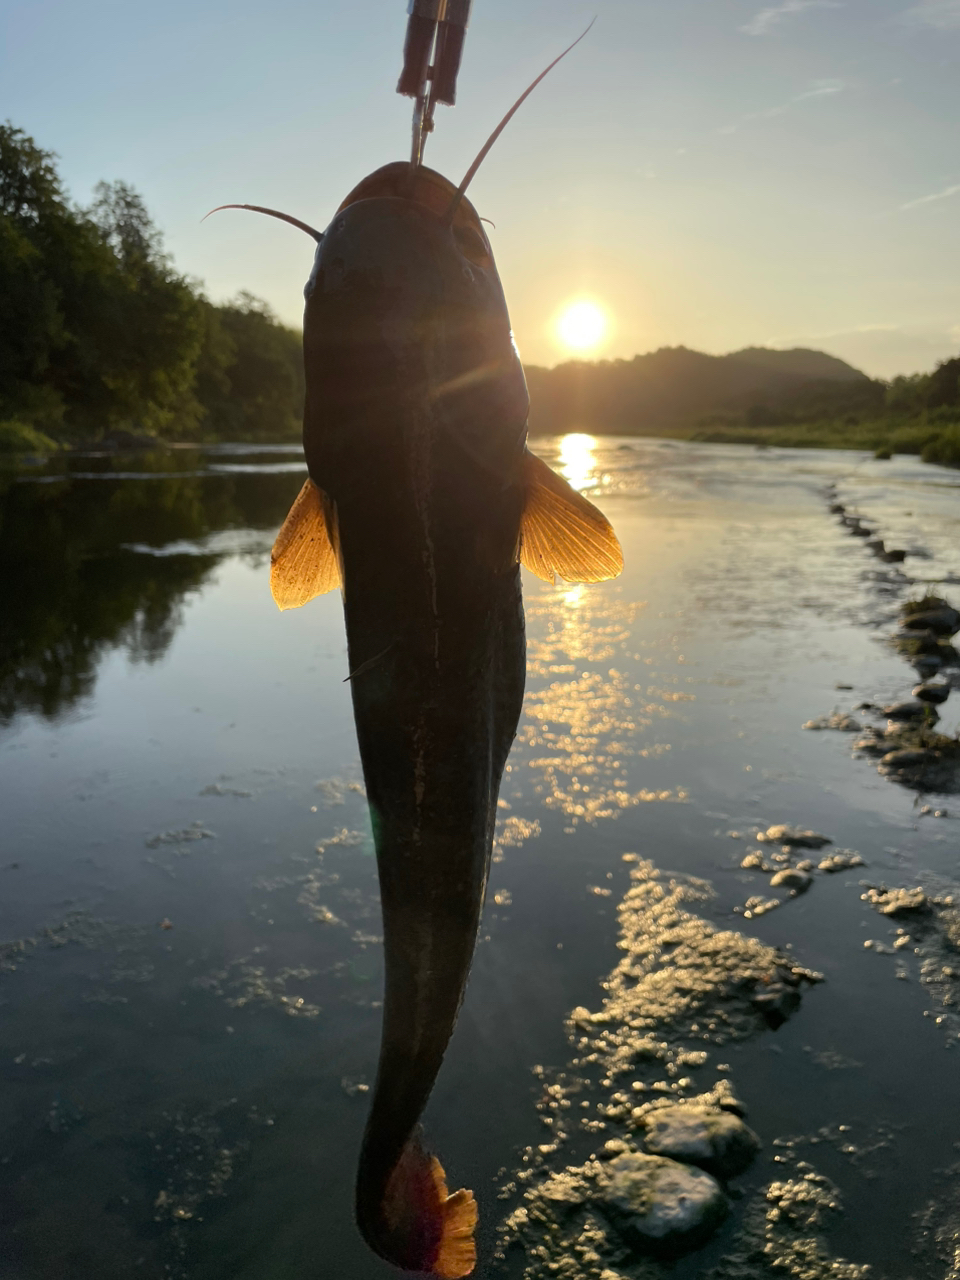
<point x="581" y="325"/>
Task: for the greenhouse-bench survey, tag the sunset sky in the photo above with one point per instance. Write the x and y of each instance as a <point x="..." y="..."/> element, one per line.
<point x="712" y="173"/>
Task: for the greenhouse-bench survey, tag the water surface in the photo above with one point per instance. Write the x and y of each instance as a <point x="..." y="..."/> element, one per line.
<point x="190" y="980"/>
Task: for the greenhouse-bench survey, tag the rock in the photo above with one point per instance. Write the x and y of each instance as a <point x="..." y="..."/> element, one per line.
<point x="565" y="1191"/>
<point x="915" y="710"/>
<point x="876" y="545"/>
<point x="776" y="1003"/>
<point x="942" y="621"/>
<point x="755" y="861"/>
<point x="916" y="642"/>
<point x="838" y="720"/>
<point x="934" y="693"/>
<point x="896" y="902"/>
<point x="727" y="1098"/>
<point x="872" y="744"/>
<point x="842" y="860"/>
<point x="927" y="664"/>
<point x="758" y="906"/>
<point x="859" y="531"/>
<point x="908" y="758"/>
<point x="715" y="1140"/>
<point x="794" y="836"/>
<point x="894" y="555"/>
<point x="660" y="1205"/>
<point x="792" y="878"/>
<point x="615" y="1147"/>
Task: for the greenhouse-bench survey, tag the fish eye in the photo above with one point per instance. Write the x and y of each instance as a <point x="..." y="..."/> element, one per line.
<point x="471" y="244"/>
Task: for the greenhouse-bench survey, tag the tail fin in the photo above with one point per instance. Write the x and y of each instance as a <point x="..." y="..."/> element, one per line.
<point x="424" y="1228"/>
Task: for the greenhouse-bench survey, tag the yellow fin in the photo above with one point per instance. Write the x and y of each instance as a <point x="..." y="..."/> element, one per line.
<point x="562" y="533"/>
<point x="304" y="562"/>
<point x="457" y="1252"/>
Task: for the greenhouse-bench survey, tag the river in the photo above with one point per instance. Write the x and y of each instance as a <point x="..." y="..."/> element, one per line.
<point x="190" y="970"/>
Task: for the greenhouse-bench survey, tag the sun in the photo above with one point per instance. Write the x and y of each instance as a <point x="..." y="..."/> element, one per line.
<point x="581" y="324"/>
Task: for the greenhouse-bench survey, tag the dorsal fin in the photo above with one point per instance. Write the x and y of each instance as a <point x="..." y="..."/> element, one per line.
<point x="562" y="534"/>
<point x="305" y="560"/>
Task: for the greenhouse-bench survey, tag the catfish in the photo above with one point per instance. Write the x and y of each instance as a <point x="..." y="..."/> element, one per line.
<point x="421" y="503"/>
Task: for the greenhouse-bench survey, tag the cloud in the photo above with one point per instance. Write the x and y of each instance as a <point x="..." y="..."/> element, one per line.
<point x="818" y="89"/>
<point x="944" y="15"/>
<point x="935" y="195"/>
<point x="763" y="22"/>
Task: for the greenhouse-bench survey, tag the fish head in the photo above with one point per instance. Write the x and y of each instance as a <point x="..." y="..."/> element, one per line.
<point x="405" y="314"/>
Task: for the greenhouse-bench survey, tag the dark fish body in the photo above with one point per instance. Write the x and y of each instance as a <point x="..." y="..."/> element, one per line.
<point x="422" y="459"/>
<point x="421" y="502"/>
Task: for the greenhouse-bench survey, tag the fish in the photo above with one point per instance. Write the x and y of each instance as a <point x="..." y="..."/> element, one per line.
<point x="421" y="503"/>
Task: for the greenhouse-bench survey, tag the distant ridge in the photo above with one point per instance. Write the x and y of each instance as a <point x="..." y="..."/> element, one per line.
<point x="801" y="362"/>
<point x="675" y="385"/>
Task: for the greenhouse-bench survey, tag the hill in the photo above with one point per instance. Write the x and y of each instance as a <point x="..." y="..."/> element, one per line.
<point x="677" y="386"/>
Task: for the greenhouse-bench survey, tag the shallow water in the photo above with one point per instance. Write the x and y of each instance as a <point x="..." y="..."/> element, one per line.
<point x="188" y="897"/>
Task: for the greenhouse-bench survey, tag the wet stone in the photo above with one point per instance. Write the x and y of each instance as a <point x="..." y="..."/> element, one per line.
<point x="660" y="1205"/>
<point x="910" y="710"/>
<point x="942" y="621"/>
<point x="755" y="861"/>
<point x="717" y="1141"/>
<point x="792" y="878"/>
<point x="907" y="758"/>
<point x="838" y="720"/>
<point x="759" y="906"/>
<point x="794" y="836"/>
<point x="841" y="860"/>
<point x="934" y="693"/>
<point x="776" y="1003"/>
<point x="896" y="902"/>
<point x="918" y="642"/>
<point x="927" y="664"/>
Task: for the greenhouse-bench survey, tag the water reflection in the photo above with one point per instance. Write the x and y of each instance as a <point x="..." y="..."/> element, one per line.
<point x="74" y="581"/>
<point x="577" y="461"/>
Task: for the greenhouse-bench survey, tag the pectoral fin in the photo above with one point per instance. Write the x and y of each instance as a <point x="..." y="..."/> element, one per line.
<point x="562" y="534"/>
<point x="304" y="562"/>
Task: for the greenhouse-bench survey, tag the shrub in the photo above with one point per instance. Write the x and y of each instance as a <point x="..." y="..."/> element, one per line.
<point x="18" y="437"/>
<point x="944" y="449"/>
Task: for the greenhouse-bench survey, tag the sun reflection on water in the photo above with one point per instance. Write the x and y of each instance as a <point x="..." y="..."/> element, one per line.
<point x="577" y="459"/>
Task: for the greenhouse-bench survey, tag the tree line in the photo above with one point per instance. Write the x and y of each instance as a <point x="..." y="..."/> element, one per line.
<point x="101" y="337"/>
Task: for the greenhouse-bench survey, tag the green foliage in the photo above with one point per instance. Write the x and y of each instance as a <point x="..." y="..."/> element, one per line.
<point x="101" y="336"/>
<point x="20" y="437"/>
<point x="945" y="449"/>
<point x="249" y="381"/>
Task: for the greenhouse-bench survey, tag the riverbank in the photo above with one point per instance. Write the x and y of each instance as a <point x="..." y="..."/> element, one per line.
<point x="935" y="440"/>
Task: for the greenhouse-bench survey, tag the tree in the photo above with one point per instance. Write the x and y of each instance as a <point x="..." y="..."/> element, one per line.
<point x="250" y="374"/>
<point x="97" y="331"/>
<point x="943" y="385"/>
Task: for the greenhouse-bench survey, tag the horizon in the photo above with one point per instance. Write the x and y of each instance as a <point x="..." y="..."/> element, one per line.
<point x="712" y="177"/>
